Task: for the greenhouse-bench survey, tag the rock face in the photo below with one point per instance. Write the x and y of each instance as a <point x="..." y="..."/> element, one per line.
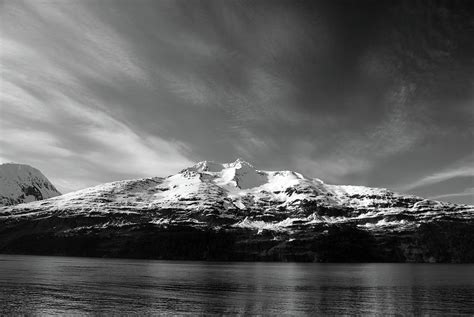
<point x="231" y="211"/>
<point x="22" y="184"/>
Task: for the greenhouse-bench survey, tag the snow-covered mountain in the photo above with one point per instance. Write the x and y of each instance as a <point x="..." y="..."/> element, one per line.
<point x="274" y="208"/>
<point x="21" y="183"/>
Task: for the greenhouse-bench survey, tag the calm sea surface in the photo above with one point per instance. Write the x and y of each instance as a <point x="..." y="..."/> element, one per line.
<point x="64" y="285"/>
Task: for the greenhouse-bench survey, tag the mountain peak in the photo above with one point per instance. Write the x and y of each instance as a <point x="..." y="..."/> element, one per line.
<point x="239" y="163"/>
<point x="18" y="166"/>
<point x="211" y="166"/>
<point x="205" y="166"/>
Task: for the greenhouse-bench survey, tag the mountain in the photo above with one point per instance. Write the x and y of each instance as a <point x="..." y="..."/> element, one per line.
<point x="21" y="183"/>
<point x="232" y="211"/>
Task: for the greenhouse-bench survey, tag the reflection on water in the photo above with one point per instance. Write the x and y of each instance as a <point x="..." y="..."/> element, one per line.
<point x="58" y="285"/>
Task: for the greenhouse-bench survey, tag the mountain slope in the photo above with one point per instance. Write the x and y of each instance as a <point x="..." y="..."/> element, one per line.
<point x="21" y="183"/>
<point x="263" y="215"/>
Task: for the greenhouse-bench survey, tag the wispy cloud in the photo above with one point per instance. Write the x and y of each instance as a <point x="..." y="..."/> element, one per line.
<point x="93" y="91"/>
<point x="52" y="119"/>
<point x="467" y="192"/>
<point x="463" y="168"/>
<point x="333" y="170"/>
<point x="399" y="131"/>
<point x="346" y="152"/>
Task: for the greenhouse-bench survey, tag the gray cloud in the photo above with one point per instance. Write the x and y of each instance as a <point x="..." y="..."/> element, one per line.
<point x="371" y="93"/>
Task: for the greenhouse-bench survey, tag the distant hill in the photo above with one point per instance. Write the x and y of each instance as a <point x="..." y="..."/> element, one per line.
<point x="21" y="183"/>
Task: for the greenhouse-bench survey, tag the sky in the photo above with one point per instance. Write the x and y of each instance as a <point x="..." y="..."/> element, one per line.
<point x="374" y="93"/>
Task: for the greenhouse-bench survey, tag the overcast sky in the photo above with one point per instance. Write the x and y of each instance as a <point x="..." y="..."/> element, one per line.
<point x="352" y="92"/>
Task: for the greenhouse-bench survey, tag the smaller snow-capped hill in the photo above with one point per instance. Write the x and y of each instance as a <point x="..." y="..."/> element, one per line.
<point x="21" y="183"/>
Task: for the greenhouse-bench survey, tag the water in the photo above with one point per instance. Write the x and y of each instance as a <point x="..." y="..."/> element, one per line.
<point x="59" y="285"/>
